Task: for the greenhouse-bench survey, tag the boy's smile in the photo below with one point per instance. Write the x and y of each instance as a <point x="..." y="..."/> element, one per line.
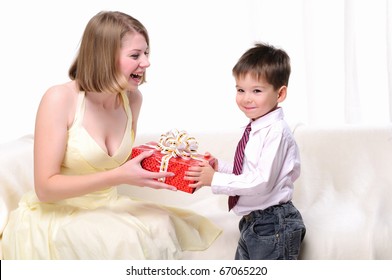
<point x="256" y="97"/>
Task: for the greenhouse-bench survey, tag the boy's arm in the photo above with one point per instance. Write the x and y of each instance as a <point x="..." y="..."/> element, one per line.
<point x="225" y="166"/>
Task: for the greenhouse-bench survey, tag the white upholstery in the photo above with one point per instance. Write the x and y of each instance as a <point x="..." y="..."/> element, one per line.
<point x="16" y="174"/>
<point x="344" y="191"/>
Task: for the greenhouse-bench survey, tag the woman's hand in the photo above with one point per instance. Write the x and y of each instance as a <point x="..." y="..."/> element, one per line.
<point x="136" y="175"/>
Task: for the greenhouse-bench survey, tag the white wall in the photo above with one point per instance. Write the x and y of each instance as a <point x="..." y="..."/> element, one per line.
<point x="194" y="45"/>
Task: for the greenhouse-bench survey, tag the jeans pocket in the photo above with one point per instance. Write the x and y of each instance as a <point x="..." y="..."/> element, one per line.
<point x="263" y="230"/>
<point x="295" y="239"/>
<point x="262" y="242"/>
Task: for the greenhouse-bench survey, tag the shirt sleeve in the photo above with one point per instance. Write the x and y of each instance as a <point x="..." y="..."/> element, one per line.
<point x="265" y="160"/>
<point x="225" y="166"/>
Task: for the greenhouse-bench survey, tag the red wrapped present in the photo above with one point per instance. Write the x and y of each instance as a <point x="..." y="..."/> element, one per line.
<point x="175" y="152"/>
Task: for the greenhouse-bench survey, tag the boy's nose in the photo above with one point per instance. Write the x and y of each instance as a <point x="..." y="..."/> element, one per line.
<point x="248" y="97"/>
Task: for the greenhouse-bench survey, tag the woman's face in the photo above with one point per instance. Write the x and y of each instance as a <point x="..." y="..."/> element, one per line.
<point x="133" y="58"/>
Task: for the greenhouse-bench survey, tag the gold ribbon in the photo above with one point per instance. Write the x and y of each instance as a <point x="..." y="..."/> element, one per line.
<point x="176" y="143"/>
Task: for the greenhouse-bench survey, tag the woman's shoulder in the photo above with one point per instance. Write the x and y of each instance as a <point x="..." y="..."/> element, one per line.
<point x="61" y="95"/>
<point x="135" y="96"/>
<point x="63" y="91"/>
<point x="62" y="99"/>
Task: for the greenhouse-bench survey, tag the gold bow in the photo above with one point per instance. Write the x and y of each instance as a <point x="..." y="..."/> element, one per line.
<point x="176" y="143"/>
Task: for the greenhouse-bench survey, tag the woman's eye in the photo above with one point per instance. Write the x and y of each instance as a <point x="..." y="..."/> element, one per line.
<point x="135" y="56"/>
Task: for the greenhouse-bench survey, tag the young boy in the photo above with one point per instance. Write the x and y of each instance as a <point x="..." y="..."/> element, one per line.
<point x="271" y="226"/>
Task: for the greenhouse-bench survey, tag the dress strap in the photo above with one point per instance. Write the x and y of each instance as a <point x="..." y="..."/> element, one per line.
<point x="80" y="108"/>
<point x="125" y="99"/>
<point x="128" y="111"/>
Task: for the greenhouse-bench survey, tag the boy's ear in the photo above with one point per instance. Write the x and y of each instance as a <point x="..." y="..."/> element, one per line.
<point x="282" y="93"/>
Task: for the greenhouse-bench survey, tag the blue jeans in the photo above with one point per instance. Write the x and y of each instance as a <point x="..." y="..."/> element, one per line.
<point x="275" y="233"/>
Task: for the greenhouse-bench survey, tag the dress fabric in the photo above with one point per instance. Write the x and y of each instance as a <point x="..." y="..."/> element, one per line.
<point x="102" y="224"/>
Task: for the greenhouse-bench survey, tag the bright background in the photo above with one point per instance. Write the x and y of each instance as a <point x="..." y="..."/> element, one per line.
<point x="340" y="52"/>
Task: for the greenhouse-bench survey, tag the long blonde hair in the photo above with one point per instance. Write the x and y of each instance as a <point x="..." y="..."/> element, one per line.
<point x="95" y="67"/>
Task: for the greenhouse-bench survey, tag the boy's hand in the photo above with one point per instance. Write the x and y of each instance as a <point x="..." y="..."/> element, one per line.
<point x="211" y="160"/>
<point x="202" y="174"/>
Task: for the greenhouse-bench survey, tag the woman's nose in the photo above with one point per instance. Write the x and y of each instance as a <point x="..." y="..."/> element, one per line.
<point x="145" y="62"/>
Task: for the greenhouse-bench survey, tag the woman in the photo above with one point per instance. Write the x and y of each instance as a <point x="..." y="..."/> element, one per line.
<point x="84" y="134"/>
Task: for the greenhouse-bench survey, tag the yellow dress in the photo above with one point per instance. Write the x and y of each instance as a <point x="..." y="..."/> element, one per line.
<point x="103" y="224"/>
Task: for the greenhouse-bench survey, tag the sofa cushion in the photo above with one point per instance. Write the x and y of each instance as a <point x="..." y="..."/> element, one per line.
<point x="344" y="191"/>
<point x="16" y="174"/>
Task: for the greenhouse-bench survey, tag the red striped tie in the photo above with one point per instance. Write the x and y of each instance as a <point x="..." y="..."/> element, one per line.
<point x="238" y="161"/>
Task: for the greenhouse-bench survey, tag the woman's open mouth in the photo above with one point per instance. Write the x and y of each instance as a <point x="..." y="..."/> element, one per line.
<point x="136" y="77"/>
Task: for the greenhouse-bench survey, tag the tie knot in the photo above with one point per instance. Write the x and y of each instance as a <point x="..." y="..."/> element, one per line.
<point x="249" y="127"/>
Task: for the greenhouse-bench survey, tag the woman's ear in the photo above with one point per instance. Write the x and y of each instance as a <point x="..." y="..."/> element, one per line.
<point x="282" y="92"/>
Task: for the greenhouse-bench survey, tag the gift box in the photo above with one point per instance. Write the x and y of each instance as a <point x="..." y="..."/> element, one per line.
<point x="175" y="152"/>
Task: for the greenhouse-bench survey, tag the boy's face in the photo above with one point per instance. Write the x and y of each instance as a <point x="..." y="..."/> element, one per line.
<point x="257" y="97"/>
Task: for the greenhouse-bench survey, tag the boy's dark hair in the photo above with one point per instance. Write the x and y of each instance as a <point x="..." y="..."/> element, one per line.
<point x="265" y="61"/>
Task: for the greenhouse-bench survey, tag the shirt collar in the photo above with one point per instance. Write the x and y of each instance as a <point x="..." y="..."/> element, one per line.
<point x="268" y="119"/>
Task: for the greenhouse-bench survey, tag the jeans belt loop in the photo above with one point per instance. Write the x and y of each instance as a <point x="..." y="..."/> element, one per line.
<point x="248" y="217"/>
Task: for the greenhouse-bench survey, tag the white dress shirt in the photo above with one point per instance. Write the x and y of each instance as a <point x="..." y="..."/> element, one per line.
<point x="271" y="165"/>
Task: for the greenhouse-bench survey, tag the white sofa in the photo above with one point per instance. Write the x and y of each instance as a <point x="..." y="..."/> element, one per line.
<point x="344" y="191"/>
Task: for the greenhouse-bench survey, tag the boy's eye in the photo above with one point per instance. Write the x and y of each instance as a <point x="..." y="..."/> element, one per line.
<point x="257" y="91"/>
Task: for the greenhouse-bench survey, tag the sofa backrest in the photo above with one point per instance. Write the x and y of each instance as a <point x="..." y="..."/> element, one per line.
<point x="345" y="191"/>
